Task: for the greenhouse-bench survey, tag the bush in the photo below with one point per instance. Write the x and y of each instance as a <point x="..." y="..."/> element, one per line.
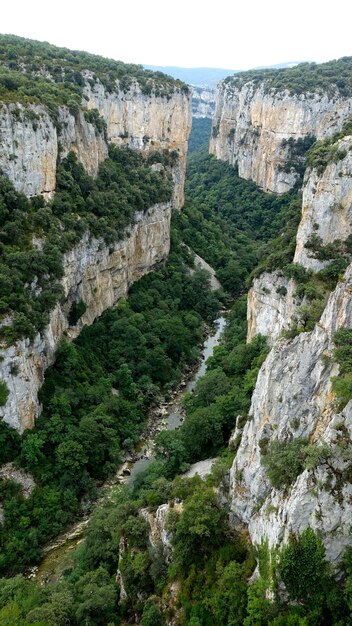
<point x="284" y="461"/>
<point x="4" y="393"/>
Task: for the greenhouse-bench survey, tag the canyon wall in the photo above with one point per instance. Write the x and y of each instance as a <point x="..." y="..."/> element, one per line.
<point x="252" y="125"/>
<point x="203" y="102"/>
<point x="99" y="275"/>
<point x="326" y="205"/>
<point x="30" y="147"/>
<point x="293" y="396"/>
<point x="31" y="142"/>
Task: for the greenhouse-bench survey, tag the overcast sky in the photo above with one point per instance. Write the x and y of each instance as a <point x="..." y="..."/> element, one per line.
<point x="188" y="33"/>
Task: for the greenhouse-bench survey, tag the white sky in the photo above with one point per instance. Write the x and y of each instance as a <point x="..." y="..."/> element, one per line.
<point x="188" y="33"/>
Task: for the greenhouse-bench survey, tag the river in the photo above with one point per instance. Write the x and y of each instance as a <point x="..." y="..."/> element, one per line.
<point x="170" y="416"/>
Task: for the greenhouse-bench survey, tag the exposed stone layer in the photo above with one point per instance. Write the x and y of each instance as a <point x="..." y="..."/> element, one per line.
<point x="251" y="123"/>
<point x="326" y="213"/>
<point x="326" y="206"/>
<point x="270" y="305"/>
<point x="146" y="122"/>
<point x="293" y="398"/>
<point x="30" y="141"/>
<point x="99" y="275"/>
<point x="203" y="102"/>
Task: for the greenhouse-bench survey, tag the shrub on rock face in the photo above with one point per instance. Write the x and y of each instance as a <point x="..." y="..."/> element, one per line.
<point x="284" y="461"/>
<point x="4" y="393"/>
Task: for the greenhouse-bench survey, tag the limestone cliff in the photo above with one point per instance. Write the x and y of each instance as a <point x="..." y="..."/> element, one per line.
<point x="145" y="122"/>
<point x="253" y="123"/>
<point x="203" y="102"/>
<point x="326" y="206"/>
<point x="293" y="398"/>
<point x="30" y="141"/>
<point x="326" y="214"/>
<point x="99" y="275"/>
<point x="270" y="305"/>
<point x="33" y="138"/>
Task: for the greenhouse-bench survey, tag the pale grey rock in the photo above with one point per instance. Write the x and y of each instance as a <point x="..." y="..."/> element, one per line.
<point x="251" y="123"/>
<point x="79" y="136"/>
<point x="146" y="122"/>
<point x="9" y="471"/>
<point x="203" y="102"/>
<point x="201" y="469"/>
<point x="28" y="148"/>
<point x="326" y="206"/>
<point x="293" y="398"/>
<point x="271" y="304"/>
<point x="99" y="275"/>
<point x="29" y="141"/>
<point x="157" y="521"/>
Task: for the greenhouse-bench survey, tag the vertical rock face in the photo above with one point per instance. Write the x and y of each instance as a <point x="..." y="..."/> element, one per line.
<point x="270" y="305"/>
<point x="28" y="148"/>
<point x="327" y="214"/>
<point x="100" y="276"/>
<point x="146" y="122"/>
<point x="327" y="205"/>
<point x="293" y="398"/>
<point x="251" y="124"/>
<point x="203" y="102"/>
<point x="30" y="142"/>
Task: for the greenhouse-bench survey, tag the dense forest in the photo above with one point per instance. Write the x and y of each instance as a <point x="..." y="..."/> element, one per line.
<point x="37" y="72"/>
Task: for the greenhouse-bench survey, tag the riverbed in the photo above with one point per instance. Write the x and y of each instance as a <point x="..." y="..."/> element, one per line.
<point x="169" y="416"/>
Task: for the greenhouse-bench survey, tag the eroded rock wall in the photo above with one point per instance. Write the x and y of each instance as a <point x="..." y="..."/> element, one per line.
<point x="293" y="398"/>
<point x="30" y="142"/>
<point x="251" y="124"/>
<point x="270" y="305"/>
<point x="99" y="275"/>
<point x="203" y="102"/>
<point x="326" y="206"/>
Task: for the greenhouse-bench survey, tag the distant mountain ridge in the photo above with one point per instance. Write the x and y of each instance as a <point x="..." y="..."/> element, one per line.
<point x="198" y="76"/>
<point x="206" y="77"/>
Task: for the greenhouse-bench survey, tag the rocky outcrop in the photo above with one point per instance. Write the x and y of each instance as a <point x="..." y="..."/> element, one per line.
<point x="293" y="398"/>
<point x="252" y="124"/>
<point x="30" y="141"/>
<point x="327" y="215"/>
<point x="145" y="122"/>
<point x="203" y="102"/>
<point x="157" y="521"/>
<point x="271" y="303"/>
<point x="9" y="471"/>
<point x="97" y="274"/>
<point x="327" y="205"/>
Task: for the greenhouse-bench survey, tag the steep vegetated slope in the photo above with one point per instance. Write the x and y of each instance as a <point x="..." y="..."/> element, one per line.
<point x="229" y="221"/>
<point x="68" y="123"/>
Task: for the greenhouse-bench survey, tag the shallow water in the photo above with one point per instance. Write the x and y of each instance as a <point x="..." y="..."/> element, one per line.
<point x="174" y="416"/>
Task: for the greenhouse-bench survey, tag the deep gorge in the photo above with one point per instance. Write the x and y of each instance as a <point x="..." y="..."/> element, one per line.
<point x="107" y="313"/>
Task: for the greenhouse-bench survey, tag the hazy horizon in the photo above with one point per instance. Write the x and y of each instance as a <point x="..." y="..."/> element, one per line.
<point x="188" y="35"/>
